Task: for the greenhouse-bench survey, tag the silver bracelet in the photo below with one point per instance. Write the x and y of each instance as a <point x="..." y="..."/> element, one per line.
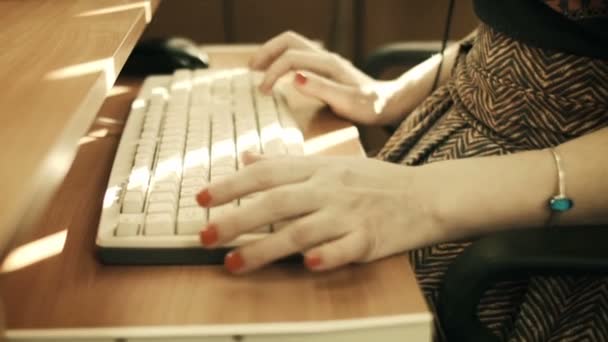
<point x="560" y="202"/>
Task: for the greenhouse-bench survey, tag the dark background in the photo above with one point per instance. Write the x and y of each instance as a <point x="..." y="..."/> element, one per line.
<point x="362" y="24"/>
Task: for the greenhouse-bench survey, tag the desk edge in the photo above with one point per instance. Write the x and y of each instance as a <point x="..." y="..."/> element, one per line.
<point x="421" y="320"/>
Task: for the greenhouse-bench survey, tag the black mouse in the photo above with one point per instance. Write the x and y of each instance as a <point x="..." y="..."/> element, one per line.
<point x="164" y="56"/>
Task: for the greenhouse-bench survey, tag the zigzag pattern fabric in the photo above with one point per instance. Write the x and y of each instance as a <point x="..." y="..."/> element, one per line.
<point x="503" y="97"/>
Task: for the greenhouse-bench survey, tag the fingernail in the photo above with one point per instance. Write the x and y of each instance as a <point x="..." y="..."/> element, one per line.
<point x="300" y="78"/>
<point x="234" y="261"/>
<point x="312" y="262"/>
<point x="203" y="198"/>
<point x="209" y="235"/>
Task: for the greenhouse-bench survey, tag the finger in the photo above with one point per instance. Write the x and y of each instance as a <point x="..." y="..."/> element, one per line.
<point x="320" y="63"/>
<point x="275" y="47"/>
<point x="262" y="175"/>
<point x="341" y="98"/>
<point x="353" y="247"/>
<point x="272" y="206"/>
<point x="297" y="236"/>
<point x="249" y="157"/>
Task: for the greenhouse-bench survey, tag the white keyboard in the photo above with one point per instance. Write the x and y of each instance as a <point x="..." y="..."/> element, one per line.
<point x="184" y="131"/>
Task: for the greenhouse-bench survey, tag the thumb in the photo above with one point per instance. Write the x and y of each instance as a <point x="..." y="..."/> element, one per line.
<point x="343" y="99"/>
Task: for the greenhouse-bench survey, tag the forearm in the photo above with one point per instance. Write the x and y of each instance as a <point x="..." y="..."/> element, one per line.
<point x="481" y="195"/>
<point x="410" y="89"/>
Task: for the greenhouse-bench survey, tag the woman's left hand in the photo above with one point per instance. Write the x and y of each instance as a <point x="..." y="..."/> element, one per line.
<point x="335" y="210"/>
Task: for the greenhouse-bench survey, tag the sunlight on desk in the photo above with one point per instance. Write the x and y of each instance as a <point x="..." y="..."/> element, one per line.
<point x="86" y="140"/>
<point x="329" y="140"/>
<point x="94" y="135"/>
<point x="105" y="65"/>
<point x="104" y="120"/>
<point x="34" y="252"/>
<point x="113" y="9"/>
<point x="119" y="90"/>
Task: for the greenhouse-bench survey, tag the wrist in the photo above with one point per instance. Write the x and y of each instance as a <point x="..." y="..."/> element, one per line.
<point x="481" y="195"/>
<point x="424" y="192"/>
<point x="389" y="103"/>
<point x="415" y="85"/>
<point x="401" y="96"/>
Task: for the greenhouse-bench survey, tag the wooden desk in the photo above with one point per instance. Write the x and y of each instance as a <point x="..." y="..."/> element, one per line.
<point x="69" y="293"/>
<point x="58" y="60"/>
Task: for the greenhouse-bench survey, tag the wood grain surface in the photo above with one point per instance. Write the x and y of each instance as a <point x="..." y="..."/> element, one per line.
<point x="70" y="288"/>
<point x="58" y="60"/>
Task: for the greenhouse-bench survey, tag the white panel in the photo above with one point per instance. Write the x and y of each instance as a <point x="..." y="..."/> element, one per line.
<point x="418" y="332"/>
<point x="184" y="339"/>
<point x="76" y="339"/>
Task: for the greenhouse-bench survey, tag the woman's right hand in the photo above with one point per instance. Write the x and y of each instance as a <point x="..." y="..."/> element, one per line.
<point x="323" y="75"/>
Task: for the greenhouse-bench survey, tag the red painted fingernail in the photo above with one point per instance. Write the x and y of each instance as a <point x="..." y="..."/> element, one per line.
<point x="209" y="235"/>
<point x="203" y="198"/>
<point x="312" y="262"/>
<point x="234" y="261"/>
<point x="300" y="78"/>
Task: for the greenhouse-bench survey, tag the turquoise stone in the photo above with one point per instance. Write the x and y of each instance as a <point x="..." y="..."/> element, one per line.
<point x="561" y="204"/>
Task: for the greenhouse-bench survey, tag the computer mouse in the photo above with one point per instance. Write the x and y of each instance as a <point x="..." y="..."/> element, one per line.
<point x="164" y="56"/>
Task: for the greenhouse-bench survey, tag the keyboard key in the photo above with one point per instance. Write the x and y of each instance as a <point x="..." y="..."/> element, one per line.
<point x="144" y="160"/>
<point x="197" y="157"/>
<point x="185" y="202"/>
<point x="159" y="224"/>
<point x="190" y="192"/>
<point x="139" y="178"/>
<point x="292" y="136"/>
<point x="166" y="186"/>
<point x="161" y="207"/>
<point x="198" y="172"/>
<point x="133" y="202"/>
<point x="194" y="182"/>
<point x="191" y="220"/>
<point x="271" y="137"/>
<point x="129" y="224"/>
<point x="158" y="197"/>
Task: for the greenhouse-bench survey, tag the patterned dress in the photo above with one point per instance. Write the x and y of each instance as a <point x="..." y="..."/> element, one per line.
<point x="504" y="97"/>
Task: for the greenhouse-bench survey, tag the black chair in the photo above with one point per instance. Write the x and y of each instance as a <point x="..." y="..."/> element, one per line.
<point x="398" y="54"/>
<point x="501" y="256"/>
<point x="514" y="254"/>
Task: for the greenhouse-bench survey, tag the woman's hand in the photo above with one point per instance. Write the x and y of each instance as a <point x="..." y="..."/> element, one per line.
<point x="325" y="76"/>
<point x="336" y="210"/>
